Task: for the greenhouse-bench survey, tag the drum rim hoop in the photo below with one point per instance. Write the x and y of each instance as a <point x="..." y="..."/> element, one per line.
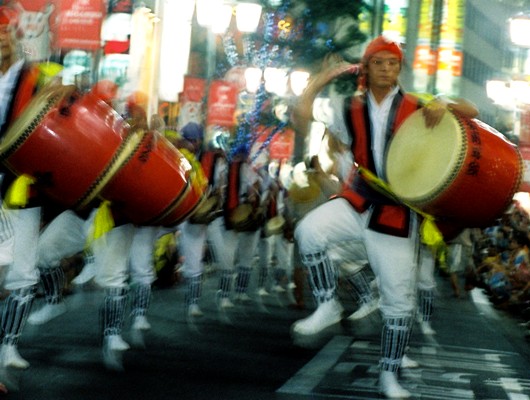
<point x="121" y="157"/>
<point x="277" y="229"/>
<point x="208" y="199"/>
<point x="26" y="130"/>
<point x="177" y="201"/>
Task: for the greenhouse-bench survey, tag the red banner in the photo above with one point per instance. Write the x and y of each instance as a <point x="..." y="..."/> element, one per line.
<point x="222" y="102"/>
<point x="282" y="145"/>
<point x="194" y="89"/>
<point x="35" y="28"/>
<point x="80" y="24"/>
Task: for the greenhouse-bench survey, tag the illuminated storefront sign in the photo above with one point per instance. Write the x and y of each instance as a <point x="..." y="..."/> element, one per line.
<point x="80" y="24"/>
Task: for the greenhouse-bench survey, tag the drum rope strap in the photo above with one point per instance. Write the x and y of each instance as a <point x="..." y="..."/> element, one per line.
<point x="430" y="234"/>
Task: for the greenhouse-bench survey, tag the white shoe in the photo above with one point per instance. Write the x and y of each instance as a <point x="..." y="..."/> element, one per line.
<point x="426" y="328"/>
<point x="363" y="311"/>
<point x="140" y="322"/>
<point x="116" y="343"/>
<point x="47" y="313"/>
<point x="10" y="357"/>
<point x="136" y="337"/>
<point x="243" y="297"/>
<point x="86" y="275"/>
<point x="389" y="386"/>
<point x="194" y="311"/>
<point x="291" y="286"/>
<point x="113" y="348"/>
<point x="263" y="292"/>
<point x="407" y="362"/>
<point x="225" y="303"/>
<point x="326" y="314"/>
<point x="278" y="289"/>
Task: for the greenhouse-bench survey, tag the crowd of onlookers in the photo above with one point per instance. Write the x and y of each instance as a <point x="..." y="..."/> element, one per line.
<point x="499" y="263"/>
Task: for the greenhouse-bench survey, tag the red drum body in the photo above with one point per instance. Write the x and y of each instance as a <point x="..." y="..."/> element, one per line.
<point x="30" y="79"/>
<point x="462" y="170"/>
<point x="80" y="149"/>
<point x="71" y="144"/>
<point x="156" y="186"/>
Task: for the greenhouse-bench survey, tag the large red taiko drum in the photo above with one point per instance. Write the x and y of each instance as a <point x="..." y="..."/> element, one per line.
<point x="157" y="185"/>
<point x="462" y="170"/>
<point x="71" y="143"/>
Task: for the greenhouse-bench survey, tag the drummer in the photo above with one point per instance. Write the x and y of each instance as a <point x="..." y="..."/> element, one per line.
<point x="359" y="214"/>
<point x="126" y="252"/>
<point x="193" y="232"/>
<point x="22" y="276"/>
<point x="274" y="240"/>
<point x="238" y="184"/>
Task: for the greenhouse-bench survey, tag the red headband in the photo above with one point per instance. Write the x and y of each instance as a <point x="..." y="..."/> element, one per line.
<point x="382" y="43"/>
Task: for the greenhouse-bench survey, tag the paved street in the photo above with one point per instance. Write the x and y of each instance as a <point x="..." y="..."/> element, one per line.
<point x="249" y="354"/>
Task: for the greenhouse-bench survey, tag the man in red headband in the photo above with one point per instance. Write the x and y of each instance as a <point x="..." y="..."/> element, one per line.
<point x="359" y="215"/>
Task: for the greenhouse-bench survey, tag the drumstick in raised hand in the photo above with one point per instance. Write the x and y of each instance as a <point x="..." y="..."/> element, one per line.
<point x="333" y="66"/>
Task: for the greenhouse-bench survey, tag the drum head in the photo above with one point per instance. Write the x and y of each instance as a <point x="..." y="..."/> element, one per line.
<point x="421" y="162"/>
<point x="31" y="117"/>
<point x="274" y="225"/>
<point x="206" y="211"/>
<point x="207" y="206"/>
<point x="241" y="214"/>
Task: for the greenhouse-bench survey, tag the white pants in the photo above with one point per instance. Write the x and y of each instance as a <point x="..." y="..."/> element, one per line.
<point x="192" y="245"/>
<point x="350" y="257"/>
<point x="393" y="259"/>
<point x="22" y="272"/>
<point x="63" y="237"/>
<point x="141" y="260"/>
<point x="246" y="248"/>
<point x="276" y="245"/>
<point x="426" y="271"/>
<point x="125" y="252"/>
<point x="223" y="244"/>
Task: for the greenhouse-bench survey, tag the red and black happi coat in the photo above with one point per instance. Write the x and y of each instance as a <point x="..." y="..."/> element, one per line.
<point x="387" y="216"/>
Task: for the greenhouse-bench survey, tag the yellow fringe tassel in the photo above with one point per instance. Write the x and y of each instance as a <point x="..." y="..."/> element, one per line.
<point x="429" y="232"/>
<point x="102" y="224"/>
<point x="197" y="177"/>
<point x="17" y="195"/>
